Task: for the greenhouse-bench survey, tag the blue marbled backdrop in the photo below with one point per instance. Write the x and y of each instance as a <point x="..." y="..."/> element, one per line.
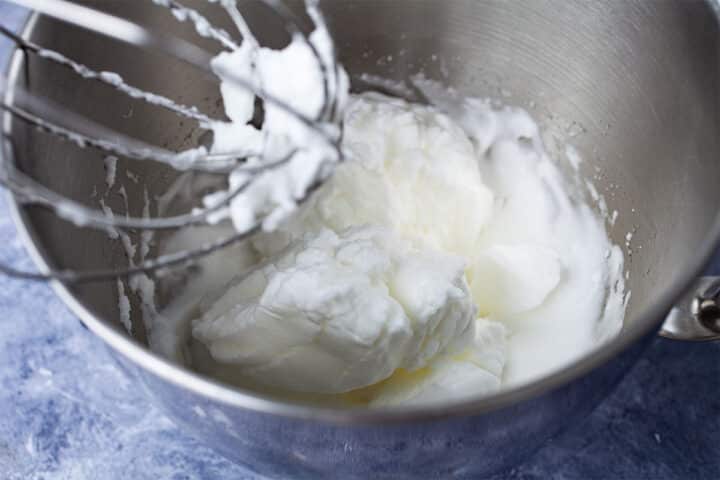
<point x="67" y="412"/>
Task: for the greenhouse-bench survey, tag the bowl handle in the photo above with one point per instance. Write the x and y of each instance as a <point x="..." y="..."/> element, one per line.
<point x="696" y="317"/>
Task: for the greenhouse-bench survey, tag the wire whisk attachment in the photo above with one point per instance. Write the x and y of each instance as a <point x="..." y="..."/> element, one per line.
<point x="296" y="144"/>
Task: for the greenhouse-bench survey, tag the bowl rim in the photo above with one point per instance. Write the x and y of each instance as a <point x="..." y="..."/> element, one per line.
<point x="648" y="319"/>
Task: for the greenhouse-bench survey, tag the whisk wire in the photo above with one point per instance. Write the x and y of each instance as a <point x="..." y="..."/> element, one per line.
<point x="32" y="192"/>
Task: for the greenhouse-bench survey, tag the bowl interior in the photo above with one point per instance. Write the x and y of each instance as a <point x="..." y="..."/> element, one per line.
<point x="632" y="85"/>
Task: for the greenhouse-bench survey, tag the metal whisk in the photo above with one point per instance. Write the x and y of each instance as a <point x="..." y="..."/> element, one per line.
<point x="41" y="113"/>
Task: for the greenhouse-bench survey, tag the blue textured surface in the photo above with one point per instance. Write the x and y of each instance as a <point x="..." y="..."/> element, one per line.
<point x="70" y="413"/>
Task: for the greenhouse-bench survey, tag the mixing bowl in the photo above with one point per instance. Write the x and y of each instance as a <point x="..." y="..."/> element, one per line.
<point x="633" y="85"/>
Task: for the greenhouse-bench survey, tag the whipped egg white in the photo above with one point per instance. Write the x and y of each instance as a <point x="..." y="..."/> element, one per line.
<point x="442" y="258"/>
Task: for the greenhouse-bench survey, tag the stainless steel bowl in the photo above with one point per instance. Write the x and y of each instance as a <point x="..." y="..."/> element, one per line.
<point x="634" y="85"/>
